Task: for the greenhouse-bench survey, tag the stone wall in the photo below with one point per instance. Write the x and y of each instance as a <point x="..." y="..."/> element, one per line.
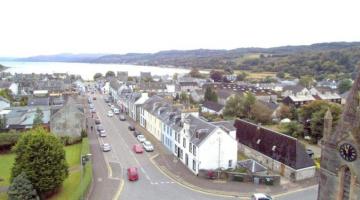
<point x="283" y="170"/>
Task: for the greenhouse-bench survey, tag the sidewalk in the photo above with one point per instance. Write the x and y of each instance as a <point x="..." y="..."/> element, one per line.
<point x="174" y="168"/>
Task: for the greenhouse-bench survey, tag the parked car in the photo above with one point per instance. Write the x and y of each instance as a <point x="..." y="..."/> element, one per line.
<point x="94" y="98"/>
<point x="131" y="128"/>
<point x="91" y="106"/>
<point x="141" y="138"/>
<point x="148" y="146"/>
<point x="102" y="134"/>
<point x="310" y="152"/>
<point x="116" y="111"/>
<point x="106" y="147"/>
<point x="132" y="174"/>
<point x="93" y="110"/>
<point x="138" y="148"/>
<point x="137" y="133"/>
<point x="122" y="118"/>
<point x="112" y="106"/>
<point x="97" y="121"/>
<point x="110" y="113"/>
<point x="109" y="104"/>
<point x="260" y="196"/>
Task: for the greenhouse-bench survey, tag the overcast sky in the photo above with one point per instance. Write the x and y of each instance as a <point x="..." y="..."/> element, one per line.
<point x="33" y="27"/>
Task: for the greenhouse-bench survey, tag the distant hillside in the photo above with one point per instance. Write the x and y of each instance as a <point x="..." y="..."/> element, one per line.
<point x="62" y="58"/>
<point x="319" y="60"/>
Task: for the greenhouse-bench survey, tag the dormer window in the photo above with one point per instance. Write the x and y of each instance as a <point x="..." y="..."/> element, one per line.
<point x="258" y="141"/>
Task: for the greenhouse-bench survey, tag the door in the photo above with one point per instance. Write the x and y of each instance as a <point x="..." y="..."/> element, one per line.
<point x="186" y="159"/>
<point x="282" y="169"/>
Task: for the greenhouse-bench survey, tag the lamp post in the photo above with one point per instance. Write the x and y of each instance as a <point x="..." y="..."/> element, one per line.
<point x="83" y="160"/>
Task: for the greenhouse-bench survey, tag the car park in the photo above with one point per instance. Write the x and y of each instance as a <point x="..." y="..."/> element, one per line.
<point x="137" y="148"/>
<point x="122" y="118"/>
<point x="136" y="133"/>
<point x="148" y="146"/>
<point x="260" y="196"/>
<point x="132" y="174"/>
<point x="141" y="138"/>
<point x="106" y="147"/>
<point x="110" y="113"/>
<point x="131" y="128"/>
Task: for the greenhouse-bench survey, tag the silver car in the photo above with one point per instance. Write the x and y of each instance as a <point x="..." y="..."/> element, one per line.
<point x="148" y="146"/>
<point x="106" y="147"/>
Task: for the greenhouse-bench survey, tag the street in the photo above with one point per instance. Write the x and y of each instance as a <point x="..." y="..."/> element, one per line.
<point x="152" y="183"/>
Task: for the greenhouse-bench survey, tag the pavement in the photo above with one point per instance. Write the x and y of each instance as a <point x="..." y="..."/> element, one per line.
<point x="160" y="175"/>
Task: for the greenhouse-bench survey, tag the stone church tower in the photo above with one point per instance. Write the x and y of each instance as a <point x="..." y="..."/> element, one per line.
<point x="340" y="161"/>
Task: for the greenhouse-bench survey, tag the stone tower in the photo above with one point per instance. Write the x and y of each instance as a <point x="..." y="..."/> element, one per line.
<point x="340" y="161"/>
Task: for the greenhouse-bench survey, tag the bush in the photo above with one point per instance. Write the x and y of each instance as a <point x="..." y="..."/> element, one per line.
<point x="8" y="140"/>
<point x="42" y="157"/>
<point x="22" y="189"/>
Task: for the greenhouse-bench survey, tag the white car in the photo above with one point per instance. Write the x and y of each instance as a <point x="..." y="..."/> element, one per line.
<point x="106" y="147"/>
<point x="260" y="196"/>
<point x="141" y="138"/>
<point x="110" y="113"/>
<point x="116" y="111"/>
<point x="148" y="146"/>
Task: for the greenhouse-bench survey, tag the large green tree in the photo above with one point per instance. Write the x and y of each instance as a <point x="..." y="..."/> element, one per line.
<point x="307" y="81"/>
<point x="42" y="157"/>
<point x="344" y="85"/>
<point x="260" y="113"/>
<point x="210" y="95"/>
<point x="110" y="74"/>
<point x="195" y="73"/>
<point x="315" y="112"/>
<point x="21" y="188"/>
<point x="97" y="76"/>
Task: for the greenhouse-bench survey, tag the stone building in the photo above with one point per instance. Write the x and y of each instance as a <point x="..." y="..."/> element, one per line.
<point x="340" y="166"/>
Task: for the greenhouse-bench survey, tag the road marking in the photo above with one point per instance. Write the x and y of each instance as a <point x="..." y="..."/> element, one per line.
<point x="295" y="191"/>
<point x="188" y="187"/>
<point x="121" y="187"/>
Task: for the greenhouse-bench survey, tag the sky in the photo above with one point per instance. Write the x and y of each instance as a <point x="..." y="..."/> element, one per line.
<point x="42" y="27"/>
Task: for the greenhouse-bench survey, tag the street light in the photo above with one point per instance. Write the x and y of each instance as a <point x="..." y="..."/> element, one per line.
<point x="83" y="160"/>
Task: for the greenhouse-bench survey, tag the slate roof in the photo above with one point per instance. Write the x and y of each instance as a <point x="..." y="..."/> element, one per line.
<point x="223" y="94"/>
<point x="5" y="84"/>
<point x="293" y="88"/>
<point x="213" y="106"/>
<point x="199" y="129"/>
<point x="227" y="126"/>
<point x="39" y="101"/>
<point x="283" y="148"/>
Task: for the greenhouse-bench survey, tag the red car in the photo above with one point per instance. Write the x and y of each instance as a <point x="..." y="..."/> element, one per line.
<point x="132" y="174"/>
<point x="138" y="148"/>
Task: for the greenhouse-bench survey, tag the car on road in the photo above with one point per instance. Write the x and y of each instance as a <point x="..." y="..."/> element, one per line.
<point x="131" y="128"/>
<point x="97" y="121"/>
<point x="106" y="147"/>
<point x="141" y="138"/>
<point x="260" y="196"/>
<point x="102" y="134"/>
<point x="116" y="111"/>
<point x="138" y="148"/>
<point x="106" y="99"/>
<point x="132" y="174"/>
<point x="100" y="129"/>
<point x="136" y="133"/>
<point x="109" y="104"/>
<point x="91" y="106"/>
<point x="110" y="113"/>
<point x="122" y="118"/>
<point x="148" y="146"/>
<point x="93" y="110"/>
<point x="94" y="98"/>
<point x="112" y="106"/>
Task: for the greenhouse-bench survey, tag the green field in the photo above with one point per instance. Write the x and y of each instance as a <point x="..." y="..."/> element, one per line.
<point x="70" y="188"/>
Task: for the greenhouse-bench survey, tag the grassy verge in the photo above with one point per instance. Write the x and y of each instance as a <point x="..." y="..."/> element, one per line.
<point x="6" y="163"/>
<point x="3" y="196"/>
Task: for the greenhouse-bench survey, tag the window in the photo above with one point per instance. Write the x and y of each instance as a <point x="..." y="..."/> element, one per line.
<point x="190" y="147"/>
<point x="184" y="142"/>
<point x="176" y="149"/>
<point x="194" y="150"/>
<point x="346" y="184"/>
<point x="194" y="165"/>
<point x="230" y="164"/>
<point x="176" y="136"/>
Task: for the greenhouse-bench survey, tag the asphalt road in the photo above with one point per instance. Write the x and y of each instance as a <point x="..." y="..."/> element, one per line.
<point x="152" y="184"/>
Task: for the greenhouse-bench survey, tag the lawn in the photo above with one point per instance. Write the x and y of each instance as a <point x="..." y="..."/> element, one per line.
<point x="6" y="162"/>
<point x="70" y="188"/>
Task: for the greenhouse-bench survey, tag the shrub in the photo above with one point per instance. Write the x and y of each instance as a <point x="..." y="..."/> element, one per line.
<point x="22" y="189"/>
<point x="7" y="140"/>
<point x="42" y="157"/>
